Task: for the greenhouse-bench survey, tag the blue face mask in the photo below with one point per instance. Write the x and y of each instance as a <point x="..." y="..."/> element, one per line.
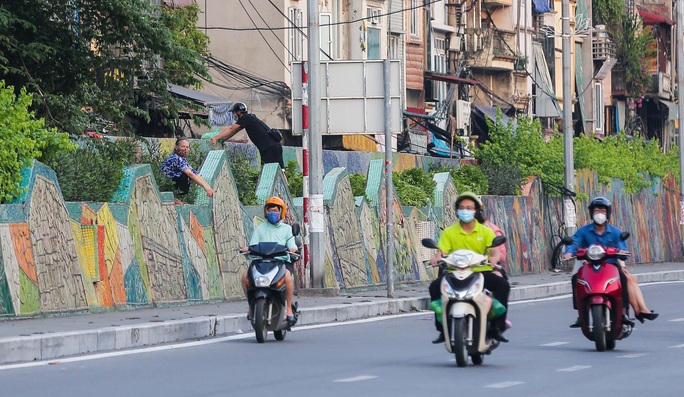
<point x="273" y="217"/>
<point x="466" y="216"/>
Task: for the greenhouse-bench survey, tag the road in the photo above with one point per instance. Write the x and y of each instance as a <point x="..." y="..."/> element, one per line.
<point x="383" y="357"/>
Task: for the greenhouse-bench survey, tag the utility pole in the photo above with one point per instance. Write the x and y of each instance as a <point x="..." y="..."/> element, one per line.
<point x="388" y="179"/>
<point x="680" y="94"/>
<point x="317" y="218"/>
<point x="568" y="134"/>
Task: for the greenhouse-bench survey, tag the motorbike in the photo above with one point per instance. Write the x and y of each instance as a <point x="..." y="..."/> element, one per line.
<point x="266" y="293"/>
<point x="464" y="305"/>
<point x="598" y="295"/>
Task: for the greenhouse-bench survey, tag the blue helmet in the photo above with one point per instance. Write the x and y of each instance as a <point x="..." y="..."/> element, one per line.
<point x="601" y="202"/>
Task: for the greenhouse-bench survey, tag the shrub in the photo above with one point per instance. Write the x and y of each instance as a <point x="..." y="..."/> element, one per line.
<point x="246" y="176"/>
<point x="358" y="185"/>
<point x="295" y="179"/>
<point x="414" y="186"/>
<point x="24" y="138"/>
<point x="466" y="177"/>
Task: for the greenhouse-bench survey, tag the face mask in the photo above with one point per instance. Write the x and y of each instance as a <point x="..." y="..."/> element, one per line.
<point x="273" y="217"/>
<point x="466" y="215"/>
<point x="600" y="219"/>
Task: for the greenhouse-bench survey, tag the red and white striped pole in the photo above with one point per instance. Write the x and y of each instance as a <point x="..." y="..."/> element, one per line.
<point x="305" y="158"/>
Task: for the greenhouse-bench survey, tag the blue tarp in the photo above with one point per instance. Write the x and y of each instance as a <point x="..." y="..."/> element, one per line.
<point x="541" y="6"/>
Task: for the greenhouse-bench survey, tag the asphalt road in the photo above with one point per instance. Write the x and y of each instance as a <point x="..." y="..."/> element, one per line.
<point x="383" y="357"/>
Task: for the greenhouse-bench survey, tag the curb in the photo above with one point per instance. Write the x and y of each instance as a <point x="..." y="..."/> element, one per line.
<point x="57" y="345"/>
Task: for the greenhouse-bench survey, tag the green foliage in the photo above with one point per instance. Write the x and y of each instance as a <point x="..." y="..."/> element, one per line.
<point x="414" y="186"/>
<point x="295" y="179"/>
<point x="94" y="171"/>
<point x="633" y="42"/>
<point x="246" y="177"/>
<point x="182" y="23"/>
<point x="358" y="185"/>
<point x="24" y="138"/>
<point x="503" y="179"/>
<point x="82" y="71"/>
<point x="466" y="177"/>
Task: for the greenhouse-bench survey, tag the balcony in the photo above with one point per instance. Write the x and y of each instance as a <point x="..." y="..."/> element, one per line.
<point x="661" y="85"/>
<point x="493" y="50"/>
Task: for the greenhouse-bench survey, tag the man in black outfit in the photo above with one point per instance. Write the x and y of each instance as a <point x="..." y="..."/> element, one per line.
<point x="270" y="149"/>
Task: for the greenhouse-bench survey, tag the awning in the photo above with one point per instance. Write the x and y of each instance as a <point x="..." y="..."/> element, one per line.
<point x="541" y="6"/>
<point x="546" y="104"/>
<point x="673" y="108"/>
<point x="218" y="109"/>
<point x="447" y="78"/>
<point x="651" y="18"/>
<point x="490" y="111"/>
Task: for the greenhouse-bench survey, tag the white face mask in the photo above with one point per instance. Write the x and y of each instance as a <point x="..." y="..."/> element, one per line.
<point x="600" y="219"/>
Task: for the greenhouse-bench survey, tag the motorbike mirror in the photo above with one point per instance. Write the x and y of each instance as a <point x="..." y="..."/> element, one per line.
<point x="296" y="229"/>
<point x="498" y="240"/>
<point x="567" y="240"/>
<point x="429" y="243"/>
<point x="624" y="236"/>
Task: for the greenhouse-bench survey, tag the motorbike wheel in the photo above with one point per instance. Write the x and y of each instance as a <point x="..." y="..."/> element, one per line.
<point x="598" y="320"/>
<point x="610" y="344"/>
<point x="459" y="348"/>
<point x="280" y="335"/>
<point x="260" y="321"/>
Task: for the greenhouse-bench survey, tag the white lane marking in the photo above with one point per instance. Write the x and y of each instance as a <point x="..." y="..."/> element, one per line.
<point x="676" y="320"/>
<point x="575" y="368"/>
<point x="504" y="384"/>
<point x="635" y="355"/>
<point x="555" y="344"/>
<point x="677" y="346"/>
<point x="356" y="378"/>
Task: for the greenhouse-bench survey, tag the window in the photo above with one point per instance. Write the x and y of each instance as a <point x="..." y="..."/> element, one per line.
<point x="295" y="36"/>
<point x="599" y="111"/>
<point x="414" y="17"/>
<point x="374" y="43"/>
<point x="440" y="66"/>
<point x="394" y="47"/>
<point x="326" y="37"/>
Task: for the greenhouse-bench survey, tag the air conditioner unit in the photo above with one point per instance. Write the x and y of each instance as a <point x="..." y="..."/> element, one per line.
<point x="455" y="42"/>
<point x="462" y="115"/>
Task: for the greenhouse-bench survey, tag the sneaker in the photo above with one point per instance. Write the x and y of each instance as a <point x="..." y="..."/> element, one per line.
<point x="576" y="324"/>
<point x="439" y="339"/>
<point x="291" y="320"/>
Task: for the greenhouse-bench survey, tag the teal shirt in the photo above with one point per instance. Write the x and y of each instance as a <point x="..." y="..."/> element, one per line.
<point x="280" y="233"/>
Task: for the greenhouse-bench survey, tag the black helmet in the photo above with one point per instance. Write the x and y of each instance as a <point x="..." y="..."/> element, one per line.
<point x="601" y="202"/>
<point x="239" y="107"/>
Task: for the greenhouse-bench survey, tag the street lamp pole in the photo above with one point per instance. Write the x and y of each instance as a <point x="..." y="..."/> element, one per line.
<point x="568" y="134"/>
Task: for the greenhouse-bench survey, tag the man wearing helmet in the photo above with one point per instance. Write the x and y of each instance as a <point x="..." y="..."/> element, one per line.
<point x="600" y="231"/>
<point x="270" y="150"/>
<point x="276" y="231"/>
<point x="470" y="234"/>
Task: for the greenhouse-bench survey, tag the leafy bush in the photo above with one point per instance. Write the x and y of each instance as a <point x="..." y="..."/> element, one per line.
<point x="295" y="179"/>
<point x="466" y="177"/>
<point x="24" y="138"/>
<point x="358" y="185"/>
<point x="94" y="171"/>
<point x="414" y="186"/>
<point x="246" y="176"/>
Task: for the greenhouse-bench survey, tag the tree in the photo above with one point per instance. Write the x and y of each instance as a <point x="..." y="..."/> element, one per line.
<point x="90" y="63"/>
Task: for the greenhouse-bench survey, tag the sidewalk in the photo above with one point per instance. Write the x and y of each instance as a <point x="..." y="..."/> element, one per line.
<point x="46" y="338"/>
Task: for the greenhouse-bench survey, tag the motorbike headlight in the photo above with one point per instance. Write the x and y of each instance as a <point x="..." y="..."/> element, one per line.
<point x="595" y="253"/>
<point x="447" y="290"/>
<point x="262" y="281"/>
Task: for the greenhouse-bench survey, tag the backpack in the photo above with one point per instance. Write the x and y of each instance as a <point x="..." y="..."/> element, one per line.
<point x="273" y="132"/>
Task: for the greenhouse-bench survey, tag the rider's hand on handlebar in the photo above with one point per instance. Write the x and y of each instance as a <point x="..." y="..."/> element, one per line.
<point x="244" y="249"/>
<point x="436" y="259"/>
<point x="567" y="256"/>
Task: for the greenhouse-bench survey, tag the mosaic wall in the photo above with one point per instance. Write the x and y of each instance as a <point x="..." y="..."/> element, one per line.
<point x="140" y="249"/>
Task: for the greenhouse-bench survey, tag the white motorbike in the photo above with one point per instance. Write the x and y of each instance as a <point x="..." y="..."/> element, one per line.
<point x="465" y="305"/>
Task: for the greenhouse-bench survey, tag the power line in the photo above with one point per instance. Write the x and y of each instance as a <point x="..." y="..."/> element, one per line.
<point x="427" y="3"/>
<point x="262" y="36"/>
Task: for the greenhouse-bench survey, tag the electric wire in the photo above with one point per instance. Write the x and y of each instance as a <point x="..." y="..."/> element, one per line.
<point x="262" y="36"/>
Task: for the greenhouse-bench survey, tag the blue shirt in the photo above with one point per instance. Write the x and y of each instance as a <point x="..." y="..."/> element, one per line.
<point x="587" y="235"/>
<point x="175" y="166"/>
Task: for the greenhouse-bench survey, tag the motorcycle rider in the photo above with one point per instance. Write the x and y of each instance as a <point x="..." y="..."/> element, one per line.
<point x="276" y="231"/>
<point x="600" y="231"/>
<point x="470" y="234"/>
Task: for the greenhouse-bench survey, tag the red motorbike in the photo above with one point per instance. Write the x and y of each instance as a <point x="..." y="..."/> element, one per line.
<point x="598" y="294"/>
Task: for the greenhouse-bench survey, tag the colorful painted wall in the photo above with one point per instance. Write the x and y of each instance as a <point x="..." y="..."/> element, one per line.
<point x="140" y="249"/>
